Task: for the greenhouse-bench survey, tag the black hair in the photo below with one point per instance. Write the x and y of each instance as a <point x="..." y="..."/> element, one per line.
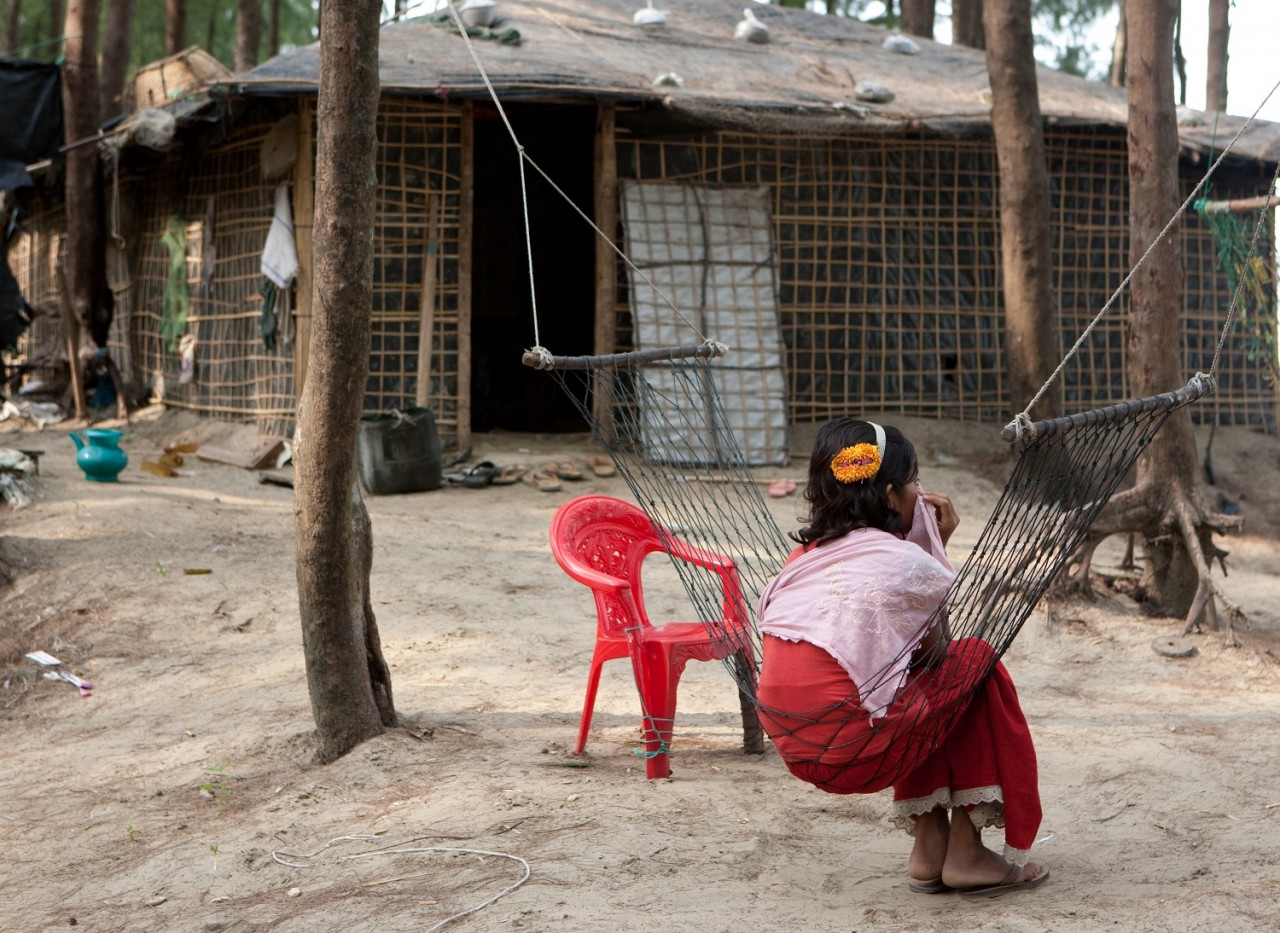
<point x="837" y="508"/>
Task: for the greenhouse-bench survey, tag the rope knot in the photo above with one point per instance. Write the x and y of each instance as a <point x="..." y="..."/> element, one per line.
<point x="715" y="348"/>
<point x="539" y="358"/>
<point x="1206" y="383"/>
<point x="1023" y="428"/>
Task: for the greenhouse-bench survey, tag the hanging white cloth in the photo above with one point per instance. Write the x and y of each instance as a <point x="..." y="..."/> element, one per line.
<point x="280" y="255"/>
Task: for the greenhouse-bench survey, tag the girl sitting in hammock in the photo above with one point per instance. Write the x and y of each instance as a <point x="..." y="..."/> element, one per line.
<point x="861" y="687"/>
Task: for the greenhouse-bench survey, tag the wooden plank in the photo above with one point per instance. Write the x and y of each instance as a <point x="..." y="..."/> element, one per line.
<point x="427" y="298"/>
<point x="259" y="459"/>
<point x="606" y="211"/>
<point x="466" y="225"/>
<point x="1242" y="205"/>
<point x="304" y="190"/>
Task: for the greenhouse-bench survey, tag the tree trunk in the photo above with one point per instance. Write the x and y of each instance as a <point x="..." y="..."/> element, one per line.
<point x="1178" y="525"/>
<point x="86" y="262"/>
<point x="1156" y="289"/>
<point x="1030" y="322"/>
<point x="248" y="33"/>
<point x="349" y="685"/>
<point x="175" y="26"/>
<point x="115" y="56"/>
<point x="1215" y="89"/>
<point x="966" y="24"/>
<point x="917" y="17"/>
<point x="13" y="27"/>
<point x="1119" y="50"/>
<point x="273" y="41"/>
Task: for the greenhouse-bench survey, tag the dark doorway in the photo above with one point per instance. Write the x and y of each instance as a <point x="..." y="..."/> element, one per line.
<point x="504" y="393"/>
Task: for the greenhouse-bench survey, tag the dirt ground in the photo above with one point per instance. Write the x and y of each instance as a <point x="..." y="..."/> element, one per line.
<point x="181" y="794"/>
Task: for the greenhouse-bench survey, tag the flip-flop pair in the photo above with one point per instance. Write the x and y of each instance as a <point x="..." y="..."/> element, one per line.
<point x="782" y="487"/>
<point x="543" y="480"/>
<point x="565" y="469"/>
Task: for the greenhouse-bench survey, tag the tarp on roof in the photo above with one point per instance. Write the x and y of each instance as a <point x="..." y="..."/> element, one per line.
<point x="806" y="75"/>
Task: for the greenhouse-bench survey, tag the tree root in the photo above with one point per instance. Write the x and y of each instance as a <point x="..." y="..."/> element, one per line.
<point x="1175" y="517"/>
<point x="1198" y="540"/>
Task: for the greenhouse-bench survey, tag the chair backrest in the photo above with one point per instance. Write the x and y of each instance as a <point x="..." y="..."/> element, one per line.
<point x="599" y="540"/>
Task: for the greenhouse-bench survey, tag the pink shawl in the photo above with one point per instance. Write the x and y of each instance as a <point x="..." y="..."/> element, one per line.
<point x="866" y="599"/>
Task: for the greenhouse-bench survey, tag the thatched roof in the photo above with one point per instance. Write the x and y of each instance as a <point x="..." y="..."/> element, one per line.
<point x="804" y="77"/>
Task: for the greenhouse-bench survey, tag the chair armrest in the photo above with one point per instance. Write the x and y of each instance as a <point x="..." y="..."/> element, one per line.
<point x="696" y="555"/>
<point x="589" y="576"/>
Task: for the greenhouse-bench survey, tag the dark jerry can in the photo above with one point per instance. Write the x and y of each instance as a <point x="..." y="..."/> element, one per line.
<point x="399" y="451"/>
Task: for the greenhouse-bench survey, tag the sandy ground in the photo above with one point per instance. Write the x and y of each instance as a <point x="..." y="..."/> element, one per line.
<point x="181" y="794"/>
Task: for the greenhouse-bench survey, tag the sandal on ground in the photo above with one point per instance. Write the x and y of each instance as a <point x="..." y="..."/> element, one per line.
<point x="480" y="475"/>
<point x="781" y="488"/>
<point x="601" y="465"/>
<point x="565" y="469"/>
<point x="508" y="475"/>
<point x="1008" y="884"/>
<point x="932" y="886"/>
<point x="543" y="480"/>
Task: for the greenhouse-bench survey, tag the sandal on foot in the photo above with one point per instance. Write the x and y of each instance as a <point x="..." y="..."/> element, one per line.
<point x="601" y="465"/>
<point x="932" y="886"/>
<point x="1008" y="884"/>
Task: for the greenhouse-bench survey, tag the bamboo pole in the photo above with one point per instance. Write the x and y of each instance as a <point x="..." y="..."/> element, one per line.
<point x="606" y="210"/>
<point x="304" y="189"/>
<point x="1241" y="205"/>
<point x="427" y="299"/>
<point x="73" y="344"/>
<point x="466" y="208"/>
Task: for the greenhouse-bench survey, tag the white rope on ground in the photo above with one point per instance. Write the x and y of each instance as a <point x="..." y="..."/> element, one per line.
<point x="525" y="157"/>
<point x="406" y="849"/>
<point x="1142" y="261"/>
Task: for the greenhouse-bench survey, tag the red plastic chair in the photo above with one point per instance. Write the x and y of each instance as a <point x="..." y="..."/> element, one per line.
<point x="602" y="542"/>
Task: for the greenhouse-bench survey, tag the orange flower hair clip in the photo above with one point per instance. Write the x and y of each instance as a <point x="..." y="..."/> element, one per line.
<point x="856" y="463"/>
<point x="861" y="461"/>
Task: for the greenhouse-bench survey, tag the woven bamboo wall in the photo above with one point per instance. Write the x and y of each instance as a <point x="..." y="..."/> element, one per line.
<point x="33" y="258"/>
<point x="227" y="206"/>
<point x="420" y="153"/>
<point x="225" y="209"/>
<point x="889" y="269"/>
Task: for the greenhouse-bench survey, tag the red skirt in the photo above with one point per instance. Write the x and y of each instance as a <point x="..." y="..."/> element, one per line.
<point x="986" y="754"/>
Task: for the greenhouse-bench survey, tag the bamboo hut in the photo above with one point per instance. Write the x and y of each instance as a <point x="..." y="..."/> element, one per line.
<point x="867" y="176"/>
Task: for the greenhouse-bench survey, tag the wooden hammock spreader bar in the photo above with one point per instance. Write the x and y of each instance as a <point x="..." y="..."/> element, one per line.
<point x="1200" y="385"/>
<point x="1240" y="205"/>
<point x="535" y="360"/>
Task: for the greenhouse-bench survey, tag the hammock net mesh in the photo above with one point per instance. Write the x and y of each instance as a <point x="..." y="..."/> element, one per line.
<point x="666" y="433"/>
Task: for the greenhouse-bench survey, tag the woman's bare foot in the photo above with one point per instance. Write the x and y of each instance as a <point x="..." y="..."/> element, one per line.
<point x="930" y="849"/>
<point x="970" y="864"/>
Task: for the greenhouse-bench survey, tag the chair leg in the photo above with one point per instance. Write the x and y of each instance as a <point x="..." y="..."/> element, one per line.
<point x="593" y="684"/>
<point x="752" y="733"/>
<point x="657" y="678"/>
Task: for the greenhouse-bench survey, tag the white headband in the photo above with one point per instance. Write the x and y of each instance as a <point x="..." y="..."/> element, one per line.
<point x="879" y="437"/>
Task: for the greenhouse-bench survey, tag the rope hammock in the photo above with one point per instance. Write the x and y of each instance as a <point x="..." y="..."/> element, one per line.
<point x="667" y="432"/>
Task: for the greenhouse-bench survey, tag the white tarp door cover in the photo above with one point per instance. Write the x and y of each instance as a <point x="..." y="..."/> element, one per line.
<point x="709" y="251"/>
